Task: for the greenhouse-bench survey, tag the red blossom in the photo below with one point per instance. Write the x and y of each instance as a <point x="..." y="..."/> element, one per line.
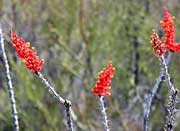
<point x="167" y="23"/>
<point x="26" y="53"/>
<point x="157" y="45"/>
<point x="104" y="80"/>
<point x="167" y="43"/>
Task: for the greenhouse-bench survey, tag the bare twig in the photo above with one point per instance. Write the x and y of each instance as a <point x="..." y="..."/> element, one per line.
<point x="103" y="111"/>
<point x="173" y="97"/>
<point x="61" y="100"/>
<point x="51" y="89"/>
<point x="171" y="111"/>
<point x="68" y="113"/>
<point x="150" y="97"/>
<point x="9" y="84"/>
<point x="171" y="87"/>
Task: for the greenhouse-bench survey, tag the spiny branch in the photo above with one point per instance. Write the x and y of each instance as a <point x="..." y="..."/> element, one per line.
<point x="103" y="111"/>
<point x="9" y="84"/>
<point x="173" y="97"/>
<point x="171" y="87"/>
<point x="67" y="104"/>
<point x="61" y="100"/>
<point x="149" y="99"/>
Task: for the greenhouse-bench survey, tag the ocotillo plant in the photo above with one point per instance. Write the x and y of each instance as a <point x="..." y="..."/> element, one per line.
<point x="101" y="89"/>
<point x="9" y="83"/>
<point x="160" y="47"/>
<point x="32" y="62"/>
<point x="150" y="97"/>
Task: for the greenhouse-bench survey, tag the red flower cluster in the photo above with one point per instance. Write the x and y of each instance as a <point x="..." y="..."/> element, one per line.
<point x="167" y="24"/>
<point x="160" y="47"/>
<point x="26" y="53"/>
<point x="104" y="79"/>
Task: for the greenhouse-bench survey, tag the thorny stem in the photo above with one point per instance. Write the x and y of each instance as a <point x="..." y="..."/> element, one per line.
<point x="173" y="92"/>
<point x="168" y="78"/>
<point x="61" y="100"/>
<point x="9" y="84"/>
<point x="171" y="110"/>
<point x="150" y="97"/>
<point x="67" y="104"/>
<point x="51" y="89"/>
<point x="103" y="111"/>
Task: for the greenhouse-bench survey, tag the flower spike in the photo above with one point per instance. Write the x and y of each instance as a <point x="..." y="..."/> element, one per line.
<point x="167" y="23"/>
<point x="167" y="43"/>
<point x="158" y="46"/>
<point x="104" y="80"/>
<point x="27" y="54"/>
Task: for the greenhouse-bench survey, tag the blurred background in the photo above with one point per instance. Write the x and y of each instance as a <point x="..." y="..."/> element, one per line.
<point x="77" y="38"/>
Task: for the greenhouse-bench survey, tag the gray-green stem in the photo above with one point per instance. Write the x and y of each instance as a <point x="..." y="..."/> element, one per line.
<point x="104" y="114"/>
<point x="173" y="97"/>
<point x="61" y="100"/>
<point x="9" y="84"/>
<point x="150" y="97"/>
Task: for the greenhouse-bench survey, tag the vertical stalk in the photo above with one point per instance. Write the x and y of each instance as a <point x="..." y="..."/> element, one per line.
<point x="103" y="111"/>
<point x="150" y="97"/>
<point x="9" y="84"/>
<point x="173" y="97"/>
<point x="171" y="87"/>
<point x="67" y="104"/>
